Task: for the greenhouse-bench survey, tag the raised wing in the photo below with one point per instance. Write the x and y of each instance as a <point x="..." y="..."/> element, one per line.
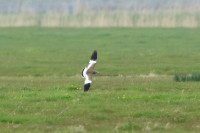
<point x="92" y="62"/>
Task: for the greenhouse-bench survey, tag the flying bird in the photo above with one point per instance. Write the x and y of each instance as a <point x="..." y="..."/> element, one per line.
<point x="88" y="71"/>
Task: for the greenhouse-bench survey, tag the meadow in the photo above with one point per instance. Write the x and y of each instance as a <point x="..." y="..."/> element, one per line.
<point x="41" y="89"/>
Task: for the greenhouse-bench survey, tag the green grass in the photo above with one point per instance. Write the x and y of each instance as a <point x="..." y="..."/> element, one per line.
<point x="52" y="51"/>
<point x="41" y="89"/>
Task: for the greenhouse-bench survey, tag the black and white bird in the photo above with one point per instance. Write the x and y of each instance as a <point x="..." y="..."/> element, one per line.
<point x="88" y="71"/>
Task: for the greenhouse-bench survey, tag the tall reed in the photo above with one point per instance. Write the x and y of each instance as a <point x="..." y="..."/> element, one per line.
<point x="82" y="16"/>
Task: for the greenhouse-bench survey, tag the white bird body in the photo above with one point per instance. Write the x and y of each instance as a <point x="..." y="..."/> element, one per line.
<point x="87" y="80"/>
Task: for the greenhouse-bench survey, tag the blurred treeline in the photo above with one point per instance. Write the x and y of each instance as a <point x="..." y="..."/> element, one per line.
<point x="100" y="13"/>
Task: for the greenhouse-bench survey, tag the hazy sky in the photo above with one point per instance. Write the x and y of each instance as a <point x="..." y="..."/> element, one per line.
<point x="40" y="6"/>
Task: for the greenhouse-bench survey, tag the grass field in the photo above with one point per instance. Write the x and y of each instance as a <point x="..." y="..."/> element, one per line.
<point x="41" y="89"/>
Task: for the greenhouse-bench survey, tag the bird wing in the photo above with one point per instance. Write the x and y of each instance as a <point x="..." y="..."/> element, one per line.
<point x="89" y="71"/>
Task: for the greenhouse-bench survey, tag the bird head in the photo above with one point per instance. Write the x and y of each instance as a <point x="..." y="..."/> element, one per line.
<point x="82" y="72"/>
<point x="95" y="72"/>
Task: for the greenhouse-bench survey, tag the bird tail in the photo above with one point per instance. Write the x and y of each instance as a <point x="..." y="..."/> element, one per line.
<point x="94" y="56"/>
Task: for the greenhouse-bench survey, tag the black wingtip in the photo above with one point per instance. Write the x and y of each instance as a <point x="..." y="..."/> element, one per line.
<point x="86" y="87"/>
<point x="94" y="55"/>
